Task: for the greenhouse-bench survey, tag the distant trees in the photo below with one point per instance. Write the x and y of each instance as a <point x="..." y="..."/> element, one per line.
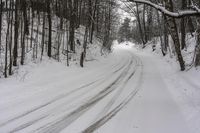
<point x="124" y="33"/>
<point x="166" y="17"/>
<point x="43" y="26"/>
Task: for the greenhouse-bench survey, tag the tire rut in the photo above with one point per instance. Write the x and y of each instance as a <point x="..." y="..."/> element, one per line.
<point x="69" y="118"/>
<point x="119" y="91"/>
<point x="118" y="108"/>
<point x="29" y="123"/>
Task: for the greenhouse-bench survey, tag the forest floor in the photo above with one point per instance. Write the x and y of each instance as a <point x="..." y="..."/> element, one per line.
<point x="128" y="91"/>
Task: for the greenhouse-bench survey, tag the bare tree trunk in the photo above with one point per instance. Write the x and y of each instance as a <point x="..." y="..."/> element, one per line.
<point x="197" y="49"/>
<point x="183" y="34"/>
<point x="190" y="23"/>
<point x="174" y="34"/>
<point x="37" y="36"/>
<point x="50" y="26"/>
<point x="160" y="34"/>
<point x="15" y="49"/>
<point x="144" y="23"/>
<point x="93" y="19"/>
<point x="32" y="24"/>
<point x="1" y="15"/>
<point x="149" y="23"/>
<point x="11" y="38"/>
<point x="83" y="54"/>
<point x="67" y="40"/>
<point x="25" y="30"/>
<point x="139" y="25"/>
<point x="72" y="25"/>
<point x="43" y="34"/>
<point x="197" y="59"/>
<point x="165" y="33"/>
<point x="7" y="41"/>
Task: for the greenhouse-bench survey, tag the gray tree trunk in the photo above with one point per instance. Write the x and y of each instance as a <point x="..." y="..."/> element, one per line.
<point x="174" y="34"/>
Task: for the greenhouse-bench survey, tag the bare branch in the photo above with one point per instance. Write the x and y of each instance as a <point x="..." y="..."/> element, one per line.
<point x="162" y="9"/>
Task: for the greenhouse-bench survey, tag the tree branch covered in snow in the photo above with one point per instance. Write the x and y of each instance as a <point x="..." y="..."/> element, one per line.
<point x="162" y="9"/>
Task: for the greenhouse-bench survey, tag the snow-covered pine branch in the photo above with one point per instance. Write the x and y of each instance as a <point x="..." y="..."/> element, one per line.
<point x="162" y="9"/>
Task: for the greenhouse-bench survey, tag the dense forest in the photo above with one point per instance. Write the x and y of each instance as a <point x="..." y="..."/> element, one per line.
<point x="48" y="27"/>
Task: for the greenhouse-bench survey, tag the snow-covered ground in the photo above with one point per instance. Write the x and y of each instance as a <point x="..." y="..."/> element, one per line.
<point x="130" y="91"/>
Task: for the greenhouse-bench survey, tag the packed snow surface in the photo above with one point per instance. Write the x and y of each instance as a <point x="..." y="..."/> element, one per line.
<point x="129" y="91"/>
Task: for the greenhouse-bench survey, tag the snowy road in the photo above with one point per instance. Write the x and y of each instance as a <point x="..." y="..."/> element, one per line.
<point x="122" y="93"/>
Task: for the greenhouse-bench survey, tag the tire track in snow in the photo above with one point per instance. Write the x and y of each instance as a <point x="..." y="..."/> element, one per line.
<point x="120" y="90"/>
<point x="29" y="123"/>
<point x="120" y="106"/>
<point x="54" y="127"/>
<point x="43" y="105"/>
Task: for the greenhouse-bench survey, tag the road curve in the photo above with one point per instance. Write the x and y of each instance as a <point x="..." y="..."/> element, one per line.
<point x="104" y="89"/>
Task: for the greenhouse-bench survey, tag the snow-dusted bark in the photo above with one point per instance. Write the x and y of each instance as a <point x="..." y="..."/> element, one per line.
<point x="172" y="27"/>
<point x="179" y="14"/>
